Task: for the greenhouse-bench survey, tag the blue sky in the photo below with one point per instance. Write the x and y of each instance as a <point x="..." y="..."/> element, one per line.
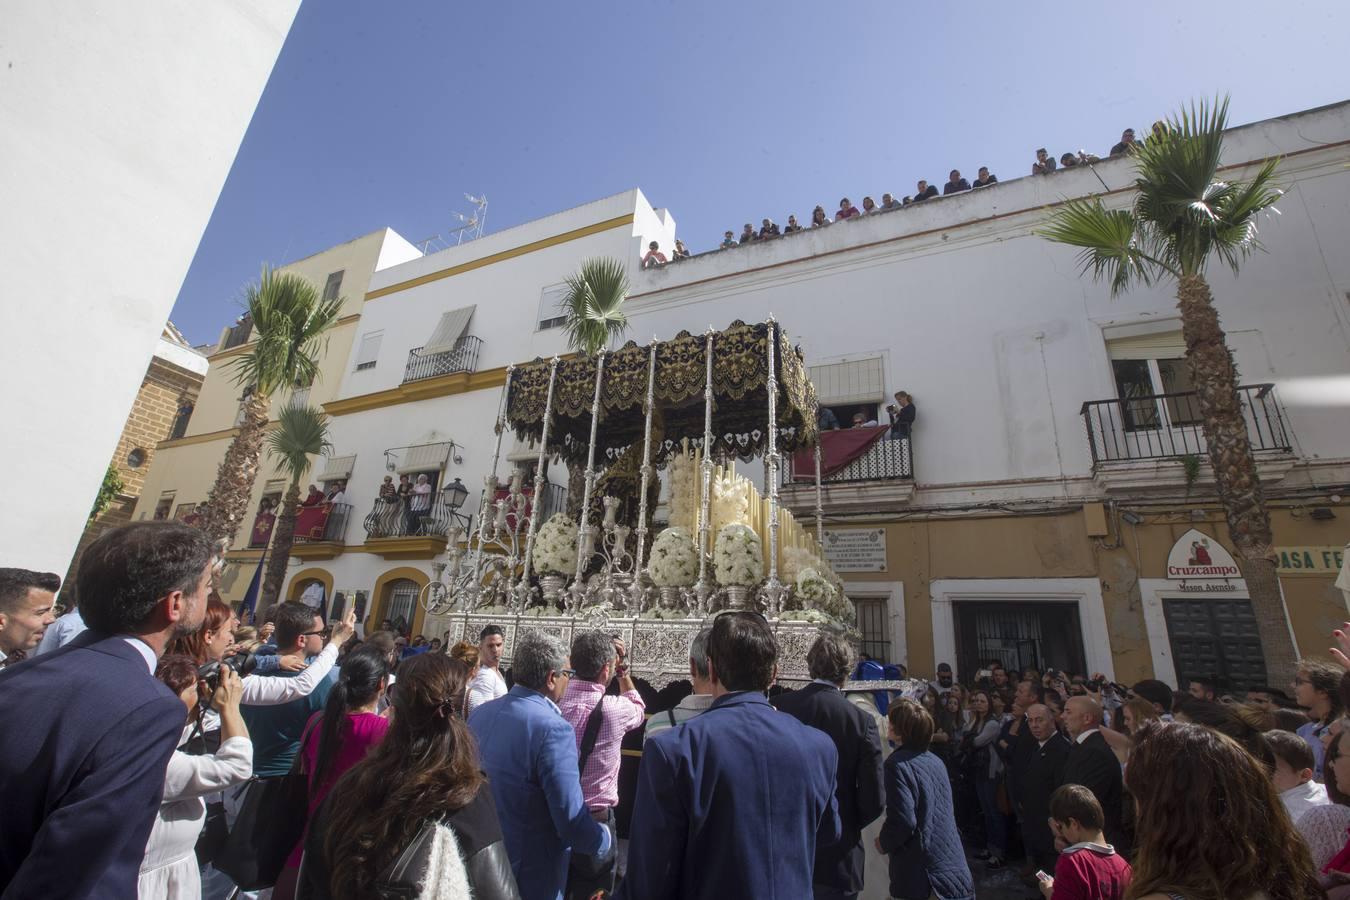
<point x="386" y="113"/>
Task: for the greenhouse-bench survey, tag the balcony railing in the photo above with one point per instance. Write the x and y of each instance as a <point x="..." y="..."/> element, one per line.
<point x="885" y="460"/>
<point x="322" y="523"/>
<point x="555" y="501"/>
<point x="1167" y="426"/>
<point x="463" y="358"/>
<point x="397" y="517"/>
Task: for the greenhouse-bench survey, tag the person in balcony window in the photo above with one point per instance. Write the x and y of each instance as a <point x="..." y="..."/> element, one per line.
<point x="387" y="490"/>
<point x="902" y="413"/>
<point x="818" y="217"/>
<point x="860" y="420"/>
<point x="420" y="504"/>
<point x="826" y="420"/>
<point x="315" y="496"/>
<point x="846" y="211"/>
<point x="338" y="494"/>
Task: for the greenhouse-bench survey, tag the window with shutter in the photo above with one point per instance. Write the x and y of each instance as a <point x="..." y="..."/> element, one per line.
<point x="333" y="286"/>
<point x="550" y="316"/>
<point x="850" y="381"/>
<point x="369" y="351"/>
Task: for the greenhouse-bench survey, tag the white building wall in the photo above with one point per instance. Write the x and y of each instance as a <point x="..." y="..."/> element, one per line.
<point x="121" y="123"/>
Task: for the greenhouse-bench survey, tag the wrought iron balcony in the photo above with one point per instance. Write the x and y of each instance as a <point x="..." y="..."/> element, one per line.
<point x="1168" y="426"/>
<point x="327" y="523"/>
<point x="554" y="500"/>
<point x="425" y="515"/>
<point x="885" y="460"/>
<point x="463" y="358"/>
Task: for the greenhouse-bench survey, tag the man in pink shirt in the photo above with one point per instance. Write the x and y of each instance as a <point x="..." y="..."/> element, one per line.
<point x="600" y="722"/>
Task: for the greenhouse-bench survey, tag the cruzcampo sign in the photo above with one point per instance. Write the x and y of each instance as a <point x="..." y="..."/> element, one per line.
<point x="1197" y="556"/>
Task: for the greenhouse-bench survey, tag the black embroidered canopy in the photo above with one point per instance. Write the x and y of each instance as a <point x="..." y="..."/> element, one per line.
<point x="740" y="418"/>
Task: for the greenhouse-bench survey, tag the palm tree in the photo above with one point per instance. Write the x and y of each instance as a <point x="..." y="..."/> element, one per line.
<point x="302" y="432"/>
<point x="290" y="323"/>
<point x="1183" y="216"/>
<point x="593" y="317"/>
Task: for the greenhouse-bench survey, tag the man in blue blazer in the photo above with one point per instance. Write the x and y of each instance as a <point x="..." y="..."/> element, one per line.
<point x="529" y="752"/>
<point x="733" y="803"/>
<point x="88" y="729"/>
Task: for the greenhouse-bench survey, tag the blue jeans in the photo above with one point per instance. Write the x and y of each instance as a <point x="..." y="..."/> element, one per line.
<point x="995" y="823"/>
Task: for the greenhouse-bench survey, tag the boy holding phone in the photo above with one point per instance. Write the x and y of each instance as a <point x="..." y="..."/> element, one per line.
<point x="1088" y="868"/>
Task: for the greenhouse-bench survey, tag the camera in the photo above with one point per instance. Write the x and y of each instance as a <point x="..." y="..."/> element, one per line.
<point x="208" y="675"/>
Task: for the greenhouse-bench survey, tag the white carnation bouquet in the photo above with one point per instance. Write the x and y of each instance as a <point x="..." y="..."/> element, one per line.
<point x="814" y="588"/>
<point x="738" y="556"/>
<point x="555" y="546"/>
<point x="728" y="503"/>
<point x="674" y="559"/>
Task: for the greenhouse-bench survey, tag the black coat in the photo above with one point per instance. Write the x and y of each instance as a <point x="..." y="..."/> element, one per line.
<point x="1094" y="765"/>
<point x="858" y="785"/>
<point x="480" y="847"/>
<point x="1042" y="772"/>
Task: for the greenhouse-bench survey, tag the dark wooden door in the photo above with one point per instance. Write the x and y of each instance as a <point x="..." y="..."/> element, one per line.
<point x="1217" y="639"/>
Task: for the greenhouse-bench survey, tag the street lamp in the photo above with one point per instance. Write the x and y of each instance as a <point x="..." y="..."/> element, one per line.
<point x="453" y="495"/>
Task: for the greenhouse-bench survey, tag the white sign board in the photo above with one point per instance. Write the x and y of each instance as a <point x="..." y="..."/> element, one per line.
<point x="856" y="549"/>
<point x="1198" y="556"/>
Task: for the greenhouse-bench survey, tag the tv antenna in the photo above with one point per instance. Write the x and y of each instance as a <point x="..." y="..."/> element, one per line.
<point x="470" y="227"/>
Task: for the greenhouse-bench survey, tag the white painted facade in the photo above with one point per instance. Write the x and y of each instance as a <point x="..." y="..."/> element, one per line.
<point x="989" y="326"/>
<point x="121" y="122"/>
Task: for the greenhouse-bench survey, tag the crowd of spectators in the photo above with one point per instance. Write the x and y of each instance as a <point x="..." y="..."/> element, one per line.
<point x="188" y="758"/>
<point x="1043" y="164"/>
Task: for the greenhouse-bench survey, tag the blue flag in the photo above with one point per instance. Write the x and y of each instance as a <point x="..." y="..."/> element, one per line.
<point x="254" y="587"/>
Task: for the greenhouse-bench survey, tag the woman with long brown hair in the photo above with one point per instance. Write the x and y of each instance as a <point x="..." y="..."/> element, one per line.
<point x="1209" y="824"/>
<point x="419" y="790"/>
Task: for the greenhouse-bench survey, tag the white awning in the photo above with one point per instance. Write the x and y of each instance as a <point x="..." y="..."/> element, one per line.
<point x="337" y="468"/>
<point x="424" y="458"/>
<point x="851" y="381"/>
<point x="275" y="486"/>
<point x="448" y="330"/>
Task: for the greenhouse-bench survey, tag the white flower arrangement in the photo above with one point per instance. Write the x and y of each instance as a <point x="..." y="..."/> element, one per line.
<point x="728" y="503"/>
<point x="814" y="588"/>
<point x="738" y="556"/>
<point x="812" y="616"/>
<point x="674" y="559"/>
<point x="681" y="478"/>
<point x="555" y="546"/>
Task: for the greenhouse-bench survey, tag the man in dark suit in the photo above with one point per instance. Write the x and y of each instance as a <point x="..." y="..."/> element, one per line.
<point x="1041" y="774"/>
<point x="733" y="803"/>
<point x="859" y="785"/>
<point x="88" y="729"/>
<point x="1092" y="764"/>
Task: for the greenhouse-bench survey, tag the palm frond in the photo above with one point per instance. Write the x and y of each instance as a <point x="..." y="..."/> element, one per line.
<point x="302" y="432"/>
<point x="593" y="306"/>
<point x="1111" y="247"/>
<point x="290" y="324"/>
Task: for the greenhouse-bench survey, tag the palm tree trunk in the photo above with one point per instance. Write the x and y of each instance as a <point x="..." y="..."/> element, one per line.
<point x="283" y="536"/>
<point x="1215" y="380"/>
<point x="227" y="504"/>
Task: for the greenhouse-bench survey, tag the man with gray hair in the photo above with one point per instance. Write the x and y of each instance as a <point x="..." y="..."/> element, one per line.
<point x="695" y="703"/>
<point x="859" y="787"/>
<point x="529" y="753"/>
<point x="600" y="722"/>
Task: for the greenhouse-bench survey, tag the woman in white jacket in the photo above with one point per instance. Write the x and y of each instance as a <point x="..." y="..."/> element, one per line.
<point x="170" y="869"/>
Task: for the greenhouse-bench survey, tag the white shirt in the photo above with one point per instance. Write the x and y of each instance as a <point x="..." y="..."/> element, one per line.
<point x="263" y="690"/>
<point x="1298" y="800"/>
<point x="144" y="649"/>
<point x="487" y="685"/>
<point x="63" y="631"/>
<point x="1084" y="736"/>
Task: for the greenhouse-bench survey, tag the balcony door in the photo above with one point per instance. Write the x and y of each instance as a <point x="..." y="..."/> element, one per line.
<point x="1159" y="410"/>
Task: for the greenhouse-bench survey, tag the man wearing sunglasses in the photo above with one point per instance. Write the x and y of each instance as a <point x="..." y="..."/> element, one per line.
<point x="701" y="827"/>
<point x="276" y="730"/>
